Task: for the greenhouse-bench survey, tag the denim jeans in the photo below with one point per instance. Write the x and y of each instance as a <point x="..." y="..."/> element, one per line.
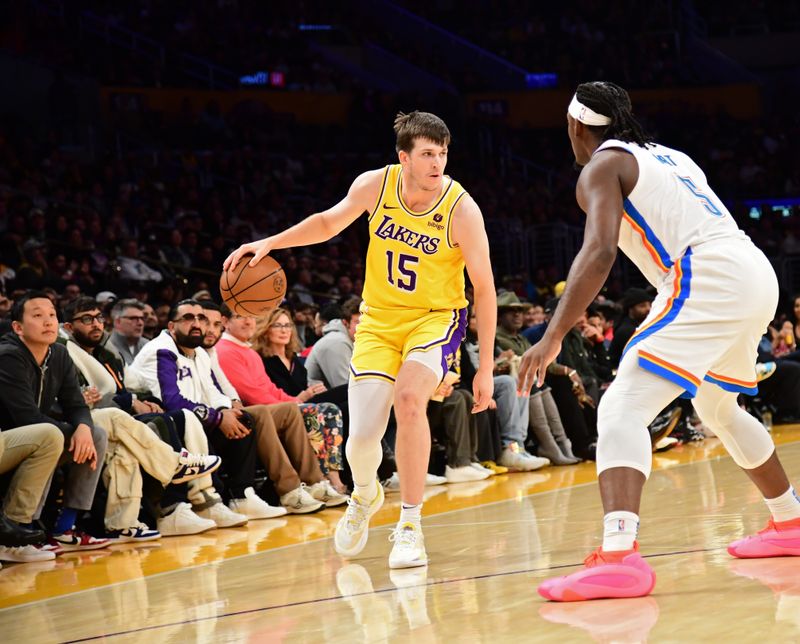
<point x="512" y="411"/>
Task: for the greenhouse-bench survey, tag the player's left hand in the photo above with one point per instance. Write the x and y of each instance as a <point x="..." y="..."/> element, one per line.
<point x="482" y="390"/>
<point x="533" y="366"/>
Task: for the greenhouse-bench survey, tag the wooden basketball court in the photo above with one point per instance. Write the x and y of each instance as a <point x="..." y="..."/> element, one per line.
<point x="490" y="544"/>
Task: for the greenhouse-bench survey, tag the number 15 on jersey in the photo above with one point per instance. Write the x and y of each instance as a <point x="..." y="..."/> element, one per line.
<point x="400" y="270"/>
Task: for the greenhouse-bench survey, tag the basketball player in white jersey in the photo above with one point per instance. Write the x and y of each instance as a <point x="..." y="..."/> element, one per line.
<point x="699" y="340"/>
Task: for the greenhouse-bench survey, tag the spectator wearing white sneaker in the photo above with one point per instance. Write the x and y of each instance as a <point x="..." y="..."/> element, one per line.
<point x="270" y="447"/>
<point x="132" y="444"/>
<point x="33" y="452"/>
<point x="103" y="371"/>
<point x="283" y="442"/>
<point x="176" y="368"/>
<point x="448" y="410"/>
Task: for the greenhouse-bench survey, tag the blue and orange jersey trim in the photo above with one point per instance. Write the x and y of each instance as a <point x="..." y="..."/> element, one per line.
<point x="674" y="373"/>
<point x="681" y="289"/>
<point x="749" y="387"/>
<point x="650" y="241"/>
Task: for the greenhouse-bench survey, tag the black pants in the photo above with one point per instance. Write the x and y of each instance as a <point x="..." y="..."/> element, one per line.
<point x="238" y="462"/>
<point x="580" y="423"/>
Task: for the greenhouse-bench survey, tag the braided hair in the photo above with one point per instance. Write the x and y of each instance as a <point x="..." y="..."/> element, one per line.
<point x="612" y="101"/>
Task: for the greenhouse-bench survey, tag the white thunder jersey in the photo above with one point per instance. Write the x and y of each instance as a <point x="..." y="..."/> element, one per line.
<point x="671" y="209"/>
<point x="716" y="291"/>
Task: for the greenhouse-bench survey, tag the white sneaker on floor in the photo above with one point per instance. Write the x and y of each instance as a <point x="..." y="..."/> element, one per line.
<point x="480" y="468"/>
<point x="353" y="528"/>
<point x="299" y="501"/>
<point x="392" y="484"/>
<point x="325" y="492"/>
<point x="182" y="520"/>
<point x="254" y="507"/>
<point x="432" y="479"/>
<point x="224" y="517"/>
<point x="409" y="547"/>
<point x="463" y="474"/>
<point x="518" y="460"/>
<point x="25" y="554"/>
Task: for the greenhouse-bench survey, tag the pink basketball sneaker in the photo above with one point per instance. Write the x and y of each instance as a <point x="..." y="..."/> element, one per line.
<point x="605" y="575"/>
<point x="778" y="539"/>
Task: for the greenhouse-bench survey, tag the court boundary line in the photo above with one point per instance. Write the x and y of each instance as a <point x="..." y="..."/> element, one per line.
<point x="440" y="582"/>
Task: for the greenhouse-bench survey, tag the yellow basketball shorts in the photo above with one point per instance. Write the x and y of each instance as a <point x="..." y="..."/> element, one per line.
<point x="385" y="338"/>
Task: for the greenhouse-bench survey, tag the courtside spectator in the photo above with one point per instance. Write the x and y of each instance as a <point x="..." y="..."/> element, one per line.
<point x="295" y="461"/>
<point x="329" y="360"/>
<point x="127" y="338"/>
<point x="176" y="368"/>
<point x="37" y="376"/>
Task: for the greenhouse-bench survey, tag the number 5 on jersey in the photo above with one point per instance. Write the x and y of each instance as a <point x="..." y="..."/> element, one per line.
<point x="401" y="274"/>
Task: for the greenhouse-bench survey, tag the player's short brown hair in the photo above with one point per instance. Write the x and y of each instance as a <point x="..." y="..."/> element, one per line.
<point x="419" y="125"/>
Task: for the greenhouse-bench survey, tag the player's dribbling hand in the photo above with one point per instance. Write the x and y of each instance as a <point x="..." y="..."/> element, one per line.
<point x="482" y="390"/>
<point x="259" y="249"/>
<point x="533" y="366"/>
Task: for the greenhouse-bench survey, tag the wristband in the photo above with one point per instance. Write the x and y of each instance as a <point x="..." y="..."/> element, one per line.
<point x="571" y="372"/>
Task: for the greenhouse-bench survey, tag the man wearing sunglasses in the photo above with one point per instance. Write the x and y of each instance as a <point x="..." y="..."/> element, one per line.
<point x="127" y="337"/>
<point x="178" y="371"/>
<point x="101" y="373"/>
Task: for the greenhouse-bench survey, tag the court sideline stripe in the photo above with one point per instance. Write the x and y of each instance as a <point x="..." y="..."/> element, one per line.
<point x="321" y="600"/>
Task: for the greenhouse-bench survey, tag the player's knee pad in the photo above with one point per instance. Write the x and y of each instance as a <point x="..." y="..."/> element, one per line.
<point x="622" y="436"/>
<point x="746" y="439"/>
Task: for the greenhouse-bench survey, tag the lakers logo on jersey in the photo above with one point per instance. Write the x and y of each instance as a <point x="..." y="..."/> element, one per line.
<point x="389" y="229"/>
<point x="412" y="261"/>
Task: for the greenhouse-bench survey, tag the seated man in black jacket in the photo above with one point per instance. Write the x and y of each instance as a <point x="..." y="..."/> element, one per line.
<point x="36" y="374"/>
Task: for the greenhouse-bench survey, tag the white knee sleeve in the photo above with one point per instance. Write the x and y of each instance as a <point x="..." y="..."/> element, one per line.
<point x="370" y="402"/>
<point x="747" y="441"/>
<point x="631" y="403"/>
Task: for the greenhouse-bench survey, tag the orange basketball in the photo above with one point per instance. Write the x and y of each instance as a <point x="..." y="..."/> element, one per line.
<point x="253" y="290"/>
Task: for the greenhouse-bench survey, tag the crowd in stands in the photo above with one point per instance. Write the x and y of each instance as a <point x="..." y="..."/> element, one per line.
<point x="640" y="45"/>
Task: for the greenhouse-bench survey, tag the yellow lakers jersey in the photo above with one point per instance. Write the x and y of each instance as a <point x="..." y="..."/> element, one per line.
<point x="412" y="261"/>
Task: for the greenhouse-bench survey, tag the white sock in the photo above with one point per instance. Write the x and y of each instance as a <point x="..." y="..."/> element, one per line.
<point x="786" y="506"/>
<point x="619" y="530"/>
<point x="411" y="514"/>
<point x="366" y="492"/>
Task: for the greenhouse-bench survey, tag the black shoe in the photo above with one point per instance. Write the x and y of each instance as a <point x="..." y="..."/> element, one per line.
<point x="685" y="432"/>
<point x="663" y="424"/>
<point x="13" y="535"/>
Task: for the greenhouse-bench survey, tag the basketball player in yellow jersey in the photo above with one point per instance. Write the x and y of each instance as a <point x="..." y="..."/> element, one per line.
<point x="424" y="230"/>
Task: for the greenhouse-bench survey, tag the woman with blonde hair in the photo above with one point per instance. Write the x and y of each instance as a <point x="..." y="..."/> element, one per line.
<point x="277" y="342"/>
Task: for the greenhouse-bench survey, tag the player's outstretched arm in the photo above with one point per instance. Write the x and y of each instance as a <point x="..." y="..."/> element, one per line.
<point x="320" y="226"/>
<point x="470" y="235"/>
<point x="600" y="197"/>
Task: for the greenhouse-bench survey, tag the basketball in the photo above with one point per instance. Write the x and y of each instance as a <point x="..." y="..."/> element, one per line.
<point x="253" y="290"/>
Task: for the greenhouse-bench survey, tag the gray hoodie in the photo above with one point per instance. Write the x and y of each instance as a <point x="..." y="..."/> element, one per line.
<point x="329" y="360"/>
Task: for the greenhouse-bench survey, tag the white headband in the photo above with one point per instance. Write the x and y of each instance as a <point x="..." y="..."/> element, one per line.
<point x="587" y="115"/>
